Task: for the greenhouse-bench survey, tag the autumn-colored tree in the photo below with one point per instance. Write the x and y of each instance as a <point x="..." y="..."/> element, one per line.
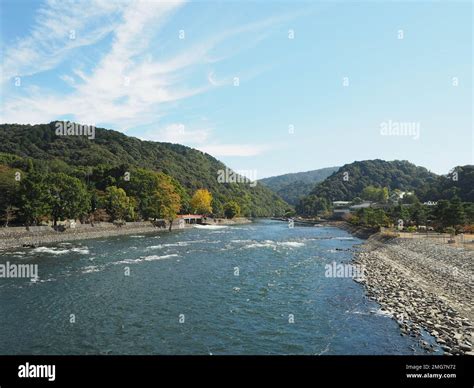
<point x="165" y="201"/>
<point x="201" y="202"/>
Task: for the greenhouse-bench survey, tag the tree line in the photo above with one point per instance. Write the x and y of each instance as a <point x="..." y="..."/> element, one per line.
<point x="30" y="196"/>
<point x="446" y="215"/>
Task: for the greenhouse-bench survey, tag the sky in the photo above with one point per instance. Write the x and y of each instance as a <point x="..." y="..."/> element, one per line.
<point x="266" y="87"/>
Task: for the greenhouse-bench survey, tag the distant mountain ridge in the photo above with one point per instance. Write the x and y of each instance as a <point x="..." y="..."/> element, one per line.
<point x="348" y="182"/>
<point x="351" y="179"/>
<point x="293" y="186"/>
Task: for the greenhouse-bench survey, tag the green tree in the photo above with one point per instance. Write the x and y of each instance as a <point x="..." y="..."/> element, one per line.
<point x="142" y="185"/>
<point x="9" y="189"/>
<point x="441" y="213"/>
<point x="373" y="218"/>
<point x="68" y="197"/>
<point x="375" y="194"/>
<point x="231" y="209"/>
<point x="35" y="200"/>
<point x="401" y="213"/>
<point x="419" y="214"/>
<point x="370" y="193"/>
<point x="410" y="199"/>
<point x="119" y="206"/>
<point x="381" y="218"/>
<point x="456" y="214"/>
<point x="312" y="205"/>
<point x="217" y="207"/>
<point x="469" y="212"/>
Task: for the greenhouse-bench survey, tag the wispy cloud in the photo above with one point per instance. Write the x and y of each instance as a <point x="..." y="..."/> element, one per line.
<point x="129" y="85"/>
<point x="241" y="150"/>
<point x="178" y="133"/>
<point x="118" y="90"/>
<point x="204" y="139"/>
<point x="59" y="28"/>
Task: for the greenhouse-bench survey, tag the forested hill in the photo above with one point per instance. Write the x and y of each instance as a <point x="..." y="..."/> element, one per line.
<point x="291" y="187"/>
<point x="113" y="151"/>
<point x="459" y="182"/>
<point x="351" y="179"/>
<point x="444" y="202"/>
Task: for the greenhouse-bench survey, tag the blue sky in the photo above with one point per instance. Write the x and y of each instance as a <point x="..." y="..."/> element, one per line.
<point x="349" y="68"/>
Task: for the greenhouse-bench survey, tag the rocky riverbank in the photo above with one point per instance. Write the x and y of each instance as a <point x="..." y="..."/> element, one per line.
<point x="425" y="285"/>
<point x="357" y="231"/>
<point x="15" y="237"/>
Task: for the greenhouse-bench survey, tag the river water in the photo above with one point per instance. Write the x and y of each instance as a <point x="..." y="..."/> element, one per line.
<point x="248" y="289"/>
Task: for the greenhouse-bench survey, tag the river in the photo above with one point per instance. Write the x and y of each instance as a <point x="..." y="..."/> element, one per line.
<point x="258" y="288"/>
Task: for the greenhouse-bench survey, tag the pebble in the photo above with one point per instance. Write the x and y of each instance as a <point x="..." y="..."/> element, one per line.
<point x="413" y="306"/>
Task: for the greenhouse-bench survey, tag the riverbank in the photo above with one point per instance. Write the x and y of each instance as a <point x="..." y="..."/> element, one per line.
<point x="361" y="232"/>
<point x="424" y="284"/>
<point x="357" y="231"/>
<point x="15" y="237"/>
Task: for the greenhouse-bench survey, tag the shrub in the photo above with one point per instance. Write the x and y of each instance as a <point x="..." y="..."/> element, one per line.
<point x="450" y="230"/>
